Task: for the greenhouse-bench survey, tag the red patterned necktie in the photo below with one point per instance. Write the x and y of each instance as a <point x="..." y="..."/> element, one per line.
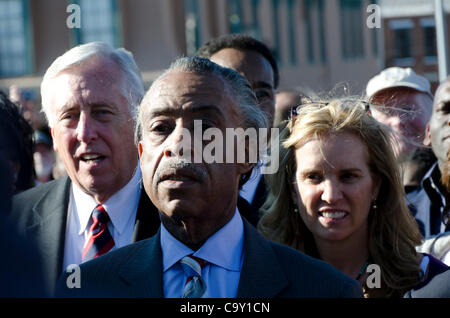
<point x="194" y="286"/>
<point x="100" y="240"/>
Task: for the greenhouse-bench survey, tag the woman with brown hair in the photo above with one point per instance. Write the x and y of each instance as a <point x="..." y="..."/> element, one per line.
<point x="338" y="196"/>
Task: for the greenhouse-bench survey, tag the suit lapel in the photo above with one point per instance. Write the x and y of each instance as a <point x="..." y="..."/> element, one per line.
<point x="147" y="219"/>
<point x="144" y="270"/>
<point x="50" y="227"/>
<point x="261" y="274"/>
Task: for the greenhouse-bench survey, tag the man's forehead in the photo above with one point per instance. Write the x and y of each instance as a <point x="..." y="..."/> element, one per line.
<point x="96" y="72"/>
<point x="443" y="91"/>
<point x="187" y="90"/>
<point x="188" y="84"/>
<point x="251" y="64"/>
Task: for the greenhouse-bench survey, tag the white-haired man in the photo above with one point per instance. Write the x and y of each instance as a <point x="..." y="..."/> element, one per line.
<point x="89" y="96"/>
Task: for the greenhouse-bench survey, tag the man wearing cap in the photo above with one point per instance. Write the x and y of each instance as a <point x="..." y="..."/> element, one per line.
<point x="402" y="100"/>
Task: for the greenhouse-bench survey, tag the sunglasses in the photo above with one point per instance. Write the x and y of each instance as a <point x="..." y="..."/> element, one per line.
<point x="295" y="110"/>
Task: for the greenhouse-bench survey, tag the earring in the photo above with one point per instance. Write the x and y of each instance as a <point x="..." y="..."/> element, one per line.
<point x="374" y="206"/>
<point x="295" y="209"/>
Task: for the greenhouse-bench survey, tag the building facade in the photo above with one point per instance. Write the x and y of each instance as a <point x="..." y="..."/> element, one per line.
<point x="318" y="43"/>
<point x="410" y="36"/>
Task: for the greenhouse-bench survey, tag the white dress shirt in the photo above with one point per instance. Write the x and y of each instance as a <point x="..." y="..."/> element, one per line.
<point x="223" y="251"/>
<point x="121" y="208"/>
<point x="248" y="190"/>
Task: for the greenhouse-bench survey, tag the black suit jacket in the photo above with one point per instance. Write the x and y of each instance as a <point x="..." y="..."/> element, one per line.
<point x="269" y="270"/>
<point x="41" y="213"/>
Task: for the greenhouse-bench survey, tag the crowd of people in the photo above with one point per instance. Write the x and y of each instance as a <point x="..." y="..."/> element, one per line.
<point x="358" y="206"/>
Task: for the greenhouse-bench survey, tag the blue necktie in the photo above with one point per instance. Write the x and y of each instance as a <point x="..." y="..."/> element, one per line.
<point x="194" y="286"/>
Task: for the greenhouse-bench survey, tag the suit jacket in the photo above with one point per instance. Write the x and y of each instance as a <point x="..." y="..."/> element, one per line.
<point x="269" y="270"/>
<point x="41" y="213"/>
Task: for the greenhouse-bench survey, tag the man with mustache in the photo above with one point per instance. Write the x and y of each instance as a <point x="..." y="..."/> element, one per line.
<point x="204" y="247"/>
<point x="89" y="96"/>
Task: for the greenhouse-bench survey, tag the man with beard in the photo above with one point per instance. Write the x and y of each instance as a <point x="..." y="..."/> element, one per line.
<point x="430" y="201"/>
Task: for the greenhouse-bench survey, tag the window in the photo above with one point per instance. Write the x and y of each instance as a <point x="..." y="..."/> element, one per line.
<point x="402" y="44"/>
<point x="309" y="30"/>
<point x="100" y="21"/>
<point x="276" y="30"/>
<point x="322" y="47"/>
<point x="291" y="32"/>
<point x="402" y="40"/>
<point x="429" y="38"/>
<point x="248" y="24"/>
<point x="314" y="13"/>
<point x="254" y="26"/>
<point x="235" y="16"/>
<point x="351" y="29"/>
<point x="15" y="47"/>
<point x="192" y="29"/>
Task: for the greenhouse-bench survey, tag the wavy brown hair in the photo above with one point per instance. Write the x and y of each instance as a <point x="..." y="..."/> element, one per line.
<point x="393" y="232"/>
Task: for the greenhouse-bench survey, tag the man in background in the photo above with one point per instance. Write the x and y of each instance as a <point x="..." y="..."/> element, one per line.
<point x="254" y="60"/>
<point x="402" y="100"/>
<point x="43" y="156"/>
<point x="430" y="201"/>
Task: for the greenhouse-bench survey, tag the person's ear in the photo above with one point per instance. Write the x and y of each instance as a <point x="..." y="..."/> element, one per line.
<point x="52" y="132"/>
<point x="376" y="186"/>
<point x="140" y="150"/>
<point x="293" y="191"/>
<point x="427" y="139"/>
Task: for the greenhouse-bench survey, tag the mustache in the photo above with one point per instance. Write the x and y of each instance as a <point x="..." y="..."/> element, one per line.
<point x="180" y="164"/>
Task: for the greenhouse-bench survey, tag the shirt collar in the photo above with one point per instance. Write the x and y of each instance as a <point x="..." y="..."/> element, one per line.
<point x="429" y="172"/>
<point x="224" y="248"/>
<point x="120" y="206"/>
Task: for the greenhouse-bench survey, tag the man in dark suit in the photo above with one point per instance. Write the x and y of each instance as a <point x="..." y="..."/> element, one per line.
<point x="204" y="248"/>
<point x="89" y="96"/>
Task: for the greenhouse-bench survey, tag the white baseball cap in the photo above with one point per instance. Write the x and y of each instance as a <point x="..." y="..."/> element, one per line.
<point x="397" y="77"/>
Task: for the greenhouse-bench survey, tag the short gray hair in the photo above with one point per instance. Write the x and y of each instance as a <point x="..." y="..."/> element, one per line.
<point x="82" y="53"/>
<point x="243" y="93"/>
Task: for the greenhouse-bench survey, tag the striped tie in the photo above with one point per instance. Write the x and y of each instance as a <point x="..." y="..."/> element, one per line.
<point x="194" y="287"/>
<point x="100" y="240"/>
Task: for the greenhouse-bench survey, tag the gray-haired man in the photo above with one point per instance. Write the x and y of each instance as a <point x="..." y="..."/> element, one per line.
<point x="89" y="96"/>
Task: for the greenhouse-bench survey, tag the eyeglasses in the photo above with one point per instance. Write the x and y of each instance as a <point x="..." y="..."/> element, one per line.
<point x="295" y="110"/>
